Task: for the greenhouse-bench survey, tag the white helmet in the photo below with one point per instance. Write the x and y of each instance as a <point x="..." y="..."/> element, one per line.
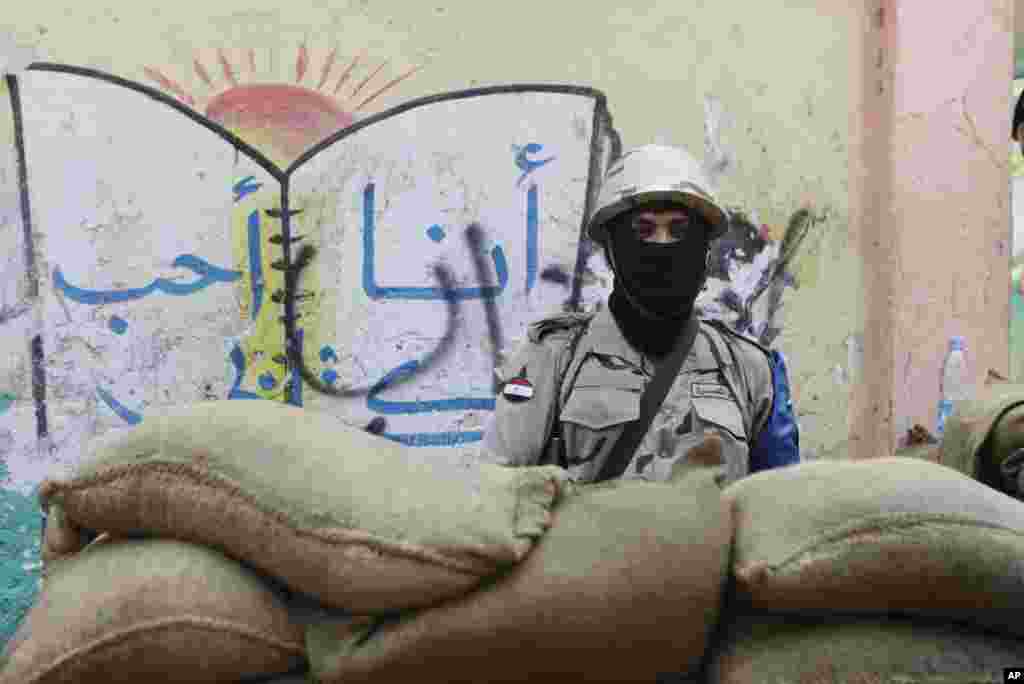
<point x="655" y="173"/>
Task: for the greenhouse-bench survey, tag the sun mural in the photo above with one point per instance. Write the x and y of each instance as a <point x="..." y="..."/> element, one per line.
<point x="281" y="120"/>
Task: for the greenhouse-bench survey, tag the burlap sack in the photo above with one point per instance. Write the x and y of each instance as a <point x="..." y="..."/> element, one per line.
<point x="885" y="535"/>
<point x="766" y="649"/>
<point x="123" y="611"/>
<point x="983" y="435"/>
<point x="61" y="537"/>
<point x="354" y="519"/>
<point x="624" y="587"/>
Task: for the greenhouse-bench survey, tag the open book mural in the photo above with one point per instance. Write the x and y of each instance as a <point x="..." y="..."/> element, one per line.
<point x="163" y="251"/>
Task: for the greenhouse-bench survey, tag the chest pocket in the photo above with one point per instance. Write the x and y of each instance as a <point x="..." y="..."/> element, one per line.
<point x="720" y="412"/>
<point x="603" y="400"/>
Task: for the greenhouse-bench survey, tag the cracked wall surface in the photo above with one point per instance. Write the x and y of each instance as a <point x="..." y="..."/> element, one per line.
<point x="949" y="192"/>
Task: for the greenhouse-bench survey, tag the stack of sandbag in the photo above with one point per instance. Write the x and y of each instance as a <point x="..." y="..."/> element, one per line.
<point x="350" y="519"/>
<point x="625" y="587"/>
<point x="777" y="649"/>
<point x="154" y="610"/>
<point x="870" y="545"/>
<point x="984" y="438"/>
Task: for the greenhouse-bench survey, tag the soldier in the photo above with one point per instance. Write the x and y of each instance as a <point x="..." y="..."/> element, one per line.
<point x="576" y="392"/>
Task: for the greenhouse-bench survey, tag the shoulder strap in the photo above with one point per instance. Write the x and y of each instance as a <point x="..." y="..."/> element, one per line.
<point x="723" y="327"/>
<point x="650" y="402"/>
<point x="724" y="331"/>
<point x="743" y="406"/>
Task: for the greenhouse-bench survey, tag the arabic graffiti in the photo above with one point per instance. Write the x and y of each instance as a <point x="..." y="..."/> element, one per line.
<point x="209" y="275"/>
<point x="375" y="291"/>
<point x="117" y="348"/>
<point x="492" y="276"/>
<point x="126" y="414"/>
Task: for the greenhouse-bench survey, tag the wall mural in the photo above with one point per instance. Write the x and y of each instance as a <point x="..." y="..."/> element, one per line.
<point x="286" y="241"/>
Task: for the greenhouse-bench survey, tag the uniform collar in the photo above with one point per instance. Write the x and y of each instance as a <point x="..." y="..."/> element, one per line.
<point x="604" y="337"/>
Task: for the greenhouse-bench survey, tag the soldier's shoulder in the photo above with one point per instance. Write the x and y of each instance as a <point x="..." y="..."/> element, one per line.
<point x="546" y="342"/>
<point x="561" y="325"/>
<point x="739" y="341"/>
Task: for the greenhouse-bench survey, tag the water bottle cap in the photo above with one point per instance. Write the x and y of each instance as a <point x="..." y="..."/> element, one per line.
<point x="956" y="343"/>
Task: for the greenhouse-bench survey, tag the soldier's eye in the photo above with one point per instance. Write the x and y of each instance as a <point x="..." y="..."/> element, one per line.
<point x="643" y="229"/>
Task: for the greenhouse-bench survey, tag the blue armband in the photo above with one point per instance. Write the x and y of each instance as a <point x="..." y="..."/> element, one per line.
<point x="779" y="441"/>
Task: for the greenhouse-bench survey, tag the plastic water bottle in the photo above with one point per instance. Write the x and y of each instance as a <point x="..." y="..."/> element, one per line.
<point x="954" y="381"/>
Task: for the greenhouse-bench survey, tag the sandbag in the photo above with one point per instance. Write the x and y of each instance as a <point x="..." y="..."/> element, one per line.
<point x="897" y="535"/>
<point x="353" y="519"/>
<point x="61" y="537"/>
<point x="983" y="435"/>
<point x="778" y="649"/>
<point x="625" y="586"/>
<point x="125" y="610"/>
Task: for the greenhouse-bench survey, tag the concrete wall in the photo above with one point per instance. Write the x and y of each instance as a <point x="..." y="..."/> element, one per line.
<point x="1017" y="260"/>
<point x="151" y="274"/>
<point x="935" y="229"/>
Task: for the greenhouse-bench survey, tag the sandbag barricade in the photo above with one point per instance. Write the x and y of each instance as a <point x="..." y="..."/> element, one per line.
<point x="127" y="611"/>
<point x="785" y="649"/>
<point x="625" y="586"/>
<point x="351" y="518"/>
<point x="890" y="535"/>
<point x="984" y="438"/>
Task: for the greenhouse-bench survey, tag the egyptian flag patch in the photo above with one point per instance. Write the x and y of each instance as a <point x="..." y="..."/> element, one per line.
<point x="518" y="388"/>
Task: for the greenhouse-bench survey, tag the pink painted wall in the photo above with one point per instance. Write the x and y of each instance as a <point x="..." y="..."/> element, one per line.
<point x="933" y="203"/>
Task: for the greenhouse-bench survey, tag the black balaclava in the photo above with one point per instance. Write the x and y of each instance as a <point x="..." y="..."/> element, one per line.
<point x="656" y="284"/>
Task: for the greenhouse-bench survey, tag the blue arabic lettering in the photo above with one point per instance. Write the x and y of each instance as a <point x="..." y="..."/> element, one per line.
<point x="327" y="353"/>
<point x="126" y="414"/>
<point x="238" y="361"/>
<point x="411" y="407"/>
<point x="255" y="262"/>
<point x="246" y="186"/>
<point x="373" y="402"/>
<point x="118" y="325"/>
<point x="532" y="230"/>
<point x="209" y="274"/>
<point x="375" y="291"/>
<point x="242" y="188"/>
<point x="487" y="294"/>
<point x="526" y="165"/>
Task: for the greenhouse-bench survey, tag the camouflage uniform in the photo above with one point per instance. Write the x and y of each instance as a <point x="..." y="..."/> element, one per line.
<point x="730" y="394"/>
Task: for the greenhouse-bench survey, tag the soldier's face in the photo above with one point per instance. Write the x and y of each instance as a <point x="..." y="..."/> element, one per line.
<point x="662" y="227"/>
<point x="664" y="224"/>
